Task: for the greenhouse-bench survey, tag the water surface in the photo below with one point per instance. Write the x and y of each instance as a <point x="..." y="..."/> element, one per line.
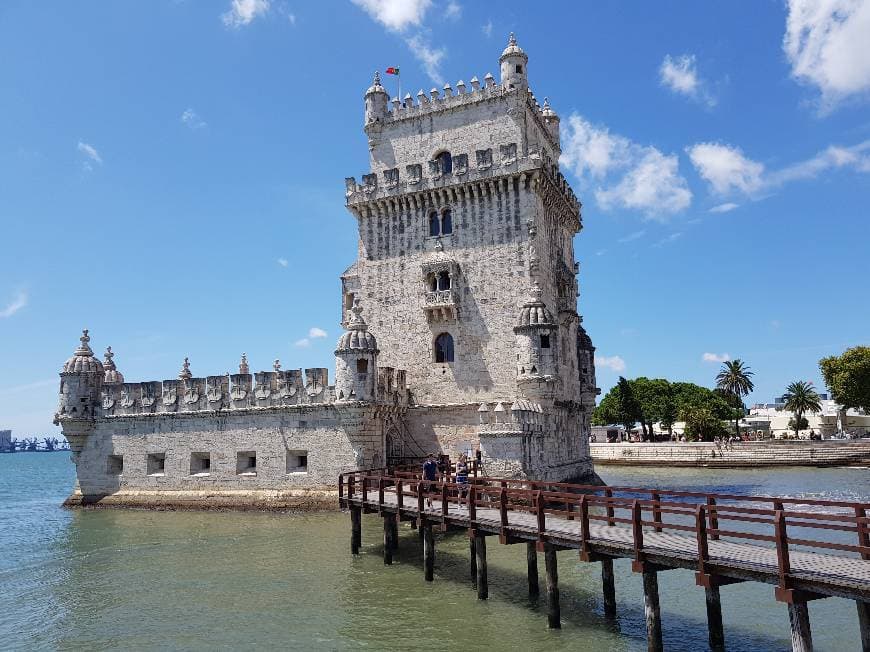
<point x="140" y="580"/>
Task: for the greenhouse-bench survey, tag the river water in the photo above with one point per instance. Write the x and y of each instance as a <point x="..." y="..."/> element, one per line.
<point x="140" y="580"/>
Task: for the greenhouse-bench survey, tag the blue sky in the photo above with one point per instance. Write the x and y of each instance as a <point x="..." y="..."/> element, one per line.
<point x="171" y="176"/>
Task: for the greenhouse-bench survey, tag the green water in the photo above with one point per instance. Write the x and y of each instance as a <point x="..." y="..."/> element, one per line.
<point x="139" y="580"/>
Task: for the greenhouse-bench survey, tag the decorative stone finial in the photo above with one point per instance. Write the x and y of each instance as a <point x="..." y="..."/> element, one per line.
<point x="512" y="40"/>
<point x="276" y="365"/>
<point x="535" y="293"/>
<point x="84" y="347"/>
<point x="109" y="364"/>
<point x="377" y="79"/>
<point x="243" y="364"/>
<point x="356" y="322"/>
<point x="185" y="374"/>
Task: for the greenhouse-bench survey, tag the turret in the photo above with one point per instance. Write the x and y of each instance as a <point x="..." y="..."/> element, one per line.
<point x="112" y="376"/>
<point x="81" y="381"/>
<point x="535" y="339"/>
<point x="586" y="362"/>
<point x="513" y="62"/>
<point x="376" y="102"/>
<point x="551" y="121"/>
<point x="356" y="359"/>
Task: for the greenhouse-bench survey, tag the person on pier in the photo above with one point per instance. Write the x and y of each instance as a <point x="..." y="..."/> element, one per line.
<point x="430" y="475"/>
<point x="462" y="475"/>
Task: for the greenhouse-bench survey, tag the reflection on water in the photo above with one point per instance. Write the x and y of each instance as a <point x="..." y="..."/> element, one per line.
<point x="109" y="579"/>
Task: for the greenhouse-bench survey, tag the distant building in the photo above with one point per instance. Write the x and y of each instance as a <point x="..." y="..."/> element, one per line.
<point x="5" y="440"/>
<point x="774" y="420"/>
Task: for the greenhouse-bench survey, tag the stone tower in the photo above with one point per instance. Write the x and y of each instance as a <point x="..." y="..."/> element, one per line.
<point x="463" y="214"/>
<point x="81" y="382"/>
<point x="356" y="360"/>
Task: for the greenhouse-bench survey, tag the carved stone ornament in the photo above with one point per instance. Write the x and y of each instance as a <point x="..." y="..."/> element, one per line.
<point x="288" y="391"/>
<point x="147" y="401"/>
<point x="214" y="394"/>
<point x="108" y="402"/>
<point x="313" y="388"/>
<point x="191" y="396"/>
<point x="238" y="393"/>
<point x="262" y="392"/>
<point x="170" y="396"/>
<point x="127" y="401"/>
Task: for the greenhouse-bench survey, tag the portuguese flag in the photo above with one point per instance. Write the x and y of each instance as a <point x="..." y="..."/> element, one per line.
<point x="392" y="71"/>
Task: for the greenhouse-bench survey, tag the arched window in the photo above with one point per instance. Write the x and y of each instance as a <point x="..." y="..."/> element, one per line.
<point x="444" y="348"/>
<point x="444" y="281"/>
<point x="447" y="222"/>
<point x="445" y="162"/>
<point x="432" y="282"/>
<point x="434" y="224"/>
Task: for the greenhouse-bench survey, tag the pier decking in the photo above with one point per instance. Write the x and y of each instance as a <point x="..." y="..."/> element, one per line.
<point x="807" y="549"/>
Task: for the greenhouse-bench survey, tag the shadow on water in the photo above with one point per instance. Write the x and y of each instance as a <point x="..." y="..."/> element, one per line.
<point x="581" y="603"/>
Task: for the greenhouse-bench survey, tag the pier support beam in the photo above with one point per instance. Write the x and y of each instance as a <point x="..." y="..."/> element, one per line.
<point x="651" y="610"/>
<point x="532" y="569"/>
<point x="389" y="533"/>
<point x="554" y="620"/>
<point x="864" y="624"/>
<point x="480" y="553"/>
<point x="355" y="529"/>
<point x="472" y="549"/>
<point x="428" y="552"/>
<point x="715" y="631"/>
<point x="608" y="586"/>
<point x="801" y="636"/>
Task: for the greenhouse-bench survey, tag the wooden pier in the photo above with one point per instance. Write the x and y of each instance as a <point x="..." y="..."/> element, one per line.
<point x="807" y="549"/>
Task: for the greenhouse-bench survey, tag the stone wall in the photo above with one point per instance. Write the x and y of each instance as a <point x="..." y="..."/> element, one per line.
<point x="744" y="454"/>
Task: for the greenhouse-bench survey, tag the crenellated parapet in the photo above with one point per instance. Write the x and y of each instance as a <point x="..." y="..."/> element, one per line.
<point x="521" y="418"/>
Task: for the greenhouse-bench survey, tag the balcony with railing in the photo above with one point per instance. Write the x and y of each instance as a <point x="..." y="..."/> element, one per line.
<point x="440" y="305"/>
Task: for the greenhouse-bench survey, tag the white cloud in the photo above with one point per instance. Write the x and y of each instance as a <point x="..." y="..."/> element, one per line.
<point x="728" y="171"/>
<point x="90" y="152"/>
<point x="242" y="12"/>
<point x="680" y="74"/>
<point x="283" y="262"/>
<point x="487" y="28"/>
<point x="715" y="357"/>
<point x="724" y="208"/>
<point x="304" y="343"/>
<point x="395" y="15"/>
<point x="453" y="11"/>
<point x="633" y="236"/>
<point x="15" y="305"/>
<point x="192" y="119"/>
<point x="725" y="168"/>
<point x="827" y="46"/>
<point x="601" y="252"/>
<point x="668" y="239"/>
<point x="614" y="363"/>
<point x="428" y="55"/>
<point x="316" y="333"/>
<point x="639" y="176"/>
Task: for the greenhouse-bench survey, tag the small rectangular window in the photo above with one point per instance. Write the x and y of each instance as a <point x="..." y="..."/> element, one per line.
<point x="115" y="465"/>
<point x="545" y="341"/>
<point x="297" y="461"/>
<point x="156" y="463"/>
<point x="246" y="463"/>
<point x="519" y="69"/>
<point x="200" y="463"/>
<point x="362" y="366"/>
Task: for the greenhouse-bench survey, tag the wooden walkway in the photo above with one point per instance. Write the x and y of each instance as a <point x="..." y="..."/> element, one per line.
<point x="807" y="549"/>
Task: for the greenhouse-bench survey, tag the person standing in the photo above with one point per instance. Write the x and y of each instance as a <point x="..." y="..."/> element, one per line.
<point x="430" y="475"/>
<point x="462" y="475"/>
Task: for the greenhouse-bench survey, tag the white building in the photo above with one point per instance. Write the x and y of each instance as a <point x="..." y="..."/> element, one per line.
<point x="774" y="419"/>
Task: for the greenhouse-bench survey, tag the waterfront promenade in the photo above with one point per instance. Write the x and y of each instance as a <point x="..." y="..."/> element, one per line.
<point x="797" y="545"/>
<point x="740" y="454"/>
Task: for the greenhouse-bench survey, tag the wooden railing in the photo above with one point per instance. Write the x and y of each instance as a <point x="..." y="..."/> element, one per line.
<point x="706" y="517"/>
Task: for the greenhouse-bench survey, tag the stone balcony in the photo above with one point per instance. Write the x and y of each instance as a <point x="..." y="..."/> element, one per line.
<point x="440" y="306"/>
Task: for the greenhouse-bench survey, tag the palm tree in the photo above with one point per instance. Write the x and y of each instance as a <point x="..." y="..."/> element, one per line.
<point x="801" y="397"/>
<point x="735" y="379"/>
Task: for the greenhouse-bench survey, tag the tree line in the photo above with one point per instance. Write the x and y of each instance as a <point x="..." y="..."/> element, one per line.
<point x="656" y="400"/>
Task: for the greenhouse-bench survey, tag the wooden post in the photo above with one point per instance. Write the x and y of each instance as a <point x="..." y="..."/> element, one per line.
<point x="532" y="569"/>
<point x="428" y="552"/>
<point x="608" y="493"/>
<point x="394" y="529"/>
<point x="608" y="586"/>
<point x="656" y="510"/>
<point x="554" y="620"/>
<point x="480" y="550"/>
<point x="355" y="529"/>
<point x="713" y="515"/>
<point x="388" y="539"/>
<point x="864" y="624"/>
<point x="801" y="636"/>
<point x="472" y="549"/>
<point x="651" y="610"/>
<point x="715" y="630"/>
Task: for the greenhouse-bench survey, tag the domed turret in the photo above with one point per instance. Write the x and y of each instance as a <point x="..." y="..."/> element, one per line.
<point x="112" y="375"/>
<point x="513" y="62"/>
<point x="81" y="381"/>
<point x="586" y="362"/>
<point x="356" y="357"/>
<point x="551" y="121"/>
<point x="377" y="101"/>
<point x="535" y="338"/>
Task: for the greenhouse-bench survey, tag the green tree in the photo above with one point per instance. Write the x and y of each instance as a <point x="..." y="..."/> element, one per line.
<point x="800" y="398"/>
<point x="689" y="395"/>
<point x="702" y="424"/>
<point x="735" y="379"/>
<point x="618" y="406"/>
<point x="652" y="395"/>
<point x="848" y="377"/>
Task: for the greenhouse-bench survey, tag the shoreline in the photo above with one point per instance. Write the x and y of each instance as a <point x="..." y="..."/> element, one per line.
<point x="817" y="454"/>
